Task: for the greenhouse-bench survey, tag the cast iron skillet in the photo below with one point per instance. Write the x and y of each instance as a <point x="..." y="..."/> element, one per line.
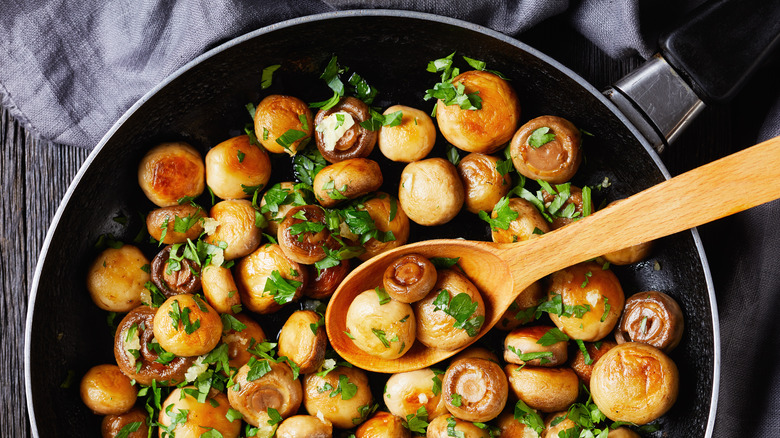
<point x="203" y="103"/>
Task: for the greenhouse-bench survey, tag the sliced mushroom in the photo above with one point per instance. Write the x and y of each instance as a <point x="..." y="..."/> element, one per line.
<point x="383" y="425"/>
<point x="525" y="346"/>
<point x="405" y="393"/>
<point x="342" y="396"/>
<point x="380" y="325"/>
<point x="139" y="355"/>
<point x="186" y="325"/>
<point x="420" y="192"/>
<point x="114" y="423"/>
<point x="234" y="165"/>
<point x="410" y="278"/>
<point x="236" y="227"/>
<point x="211" y="414"/>
<point x="303" y="340"/>
<point x="116" y="278"/>
<point x="339" y="135"/>
<point x="220" y="289"/>
<point x="543" y="389"/>
<point x="171" y="171"/>
<point x="283" y="123"/>
<point x="304" y="426"/>
<point x="484" y="184"/>
<point x="175" y="224"/>
<point x="409" y="141"/>
<point x="272" y="386"/>
<point x="327" y="280"/>
<point x="441" y="426"/>
<point x="582" y="367"/>
<point x="529" y="223"/>
<point x="240" y="341"/>
<point x="268" y="280"/>
<point x="174" y="274"/>
<point x="547" y="148"/>
<point x="522" y="309"/>
<point x="388" y="217"/>
<point x="106" y="390"/>
<point x="475" y="389"/>
<point x="348" y="179"/>
<point x="487" y="129"/>
<point x="634" y="382"/>
<point x="304" y="235"/>
<point x="652" y="318"/>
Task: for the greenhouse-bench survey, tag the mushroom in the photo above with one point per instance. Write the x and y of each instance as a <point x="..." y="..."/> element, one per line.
<point x="509" y="427"/>
<point x="268" y="280"/>
<point x="405" y="393"/>
<point x="475" y="389"/>
<point x="261" y="385"/>
<point x="348" y="179"/>
<point x="304" y="235"/>
<point x="380" y="325"/>
<point x="106" y="390"/>
<point x="583" y="368"/>
<point x="141" y="357"/>
<point x="476" y="352"/>
<point x="220" y="288"/>
<point x="339" y="134"/>
<point x="595" y="296"/>
<point x="445" y="426"/>
<point x="574" y="198"/>
<point x="279" y="199"/>
<point x="543" y="389"/>
<point x="410" y="278"/>
<point x="634" y="382"/>
<point x="420" y="192"/>
<point x="483" y="182"/>
<point x="524" y="345"/>
<point x="175" y="224"/>
<point x="235" y="166"/>
<point x="558" y="423"/>
<point x="283" y="123"/>
<point x="327" y="280"/>
<point x="652" y="318"/>
<point x="304" y="426"/>
<point x="488" y="128"/>
<point x="235" y="226"/>
<point x="171" y="171"/>
<point x="240" y="340"/>
<point x="632" y="254"/>
<point x="412" y="139"/>
<point x="134" y="419"/>
<point x="388" y="217"/>
<point x="440" y="324"/>
<point x="116" y="278"/>
<point x="523" y="308"/>
<point x="185" y="325"/>
<point x="383" y="425"/>
<point x="183" y="416"/>
<point x="528" y="224"/>
<point x="342" y="396"/>
<point x="303" y="340"/>
<point x="175" y="274"/>
<point x="622" y="432"/>
<point x="547" y="148"/>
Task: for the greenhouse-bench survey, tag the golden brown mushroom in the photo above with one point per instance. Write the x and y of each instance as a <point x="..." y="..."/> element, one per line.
<point x="236" y="165"/>
<point x="240" y="341"/>
<point x="524" y="346"/>
<point x="279" y="199"/>
<point x="475" y="389"/>
<point x="521" y="311"/>
<point x="380" y="325"/>
<point x="409" y="141"/>
<point x="547" y="148"/>
<point x="338" y="133"/>
<point x="220" y="288"/>
<point x="236" y="227"/>
<point x="652" y="318"/>
<point x="175" y="224"/>
<point x="135" y="418"/>
<point x="556" y="423"/>
<point x="420" y="192"/>
<point x="405" y="393"/>
<point x="171" y="171"/>
<point x="410" y="278"/>
<point x="348" y="179"/>
<point x="261" y="385"/>
<point x="388" y="216"/>
<point x="512" y="428"/>
<point x="326" y="280"/>
<point x="304" y="426"/>
<point x="543" y="389"/>
<point x="198" y="417"/>
<point x="283" y="123"/>
<point x="268" y="280"/>
<point x="303" y="234"/>
<point x="185" y="325"/>
<point x="342" y="396"/>
<point x="106" y="390"/>
<point x="440" y="428"/>
<point x="483" y="183"/>
<point x="174" y="274"/>
<point x="529" y="223"/>
<point x="383" y="425"/>
<point x="116" y="278"/>
<point x="303" y="340"/>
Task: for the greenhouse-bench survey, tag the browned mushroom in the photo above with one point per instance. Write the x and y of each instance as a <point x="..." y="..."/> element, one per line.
<point x="139" y="355"/>
<point x="348" y="179"/>
<point x="116" y="279"/>
<point x="267" y="279"/>
<point x="512" y="428"/>
<point x="342" y="396"/>
<point x="383" y="425"/>
<point x="185" y="325"/>
<point x="106" y="390"/>
<point x="339" y="135"/>
<point x="405" y="393"/>
<point x="523" y="308"/>
<point x="327" y="280"/>
<point x="484" y="184"/>
<point x="304" y="426"/>
<point x="410" y="278"/>
<point x="525" y="345"/>
<point x="261" y="385"/>
<point x="475" y="389"/>
<point x="236" y="226"/>
<point x="304" y="234"/>
<point x="584" y="367"/>
<point x="283" y="123"/>
<point x="528" y="224"/>
<point x="303" y="340"/>
<point x="210" y="414"/>
<point x="380" y="325"/>
<point x="388" y="217"/>
<point x="557" y="423"/>
<point x="175" y="274"/>
<point x="234" y="165"/>
<point x="171" y="171"/>
<point x="652" y="318"/>
<point x="175" y="224"/>
<point x="241" y="340"/>
<point x="547" y="148"/>
<point x="134" y="419"/>
<point x="412" y="139"/>
<point x="420" y="191"/>
<point x="220" y="288"/>
<point x="543" y="389"/>
<point x="441" y="426"/>
<point x="575" y="198"/>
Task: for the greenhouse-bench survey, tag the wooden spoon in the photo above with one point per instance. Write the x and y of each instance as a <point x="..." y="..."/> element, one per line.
<point x="501" y="271"/>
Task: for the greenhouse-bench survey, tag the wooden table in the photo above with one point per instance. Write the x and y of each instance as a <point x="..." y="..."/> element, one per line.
<point x="35" y="175"/>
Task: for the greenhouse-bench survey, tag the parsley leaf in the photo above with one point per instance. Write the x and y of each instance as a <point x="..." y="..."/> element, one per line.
<point x="540" y="137"/>
<point x="267" y="76"/>
<point x="417" y="422"/>
<point x="282" y="289"/>
<point x="553" y="336"/>
<point x="461" y="308"/>
<point x="504" y="215"/>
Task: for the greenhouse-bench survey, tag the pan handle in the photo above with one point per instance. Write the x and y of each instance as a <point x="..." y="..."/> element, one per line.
<point x="705" y="60"/>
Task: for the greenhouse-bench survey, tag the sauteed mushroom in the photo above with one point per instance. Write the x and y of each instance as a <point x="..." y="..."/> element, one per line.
<point x="106" y="390"/>
<point x="410" y="141"/>
<point x="342" y="396"/>
<point x="220" y="288"/>
<point x="171" y="171"/>
<point x="282" y="123"/>
<point x="622" y="432"/>
<point x="405" y="393"/>
<point x="303" y="340"/>
<point x="114" y="423"/>
<point x="383" y="425"/>
<point x="652" y="318"/>
<point x="511" y="428"/>
<point x="116" y="278"/>
<point x="380" y="325"/>
<point x="528" y="224"/>
<point x="595" y="351"/>
<point x="440" y="428"/>
<point x="185" y="325"/>
<point x="338" y="133"/>
<point x="268" y="280"/>
<point x="547" y="148"/>
<point x="348" y="179"/>
<point x="522" y="346"/>
<point x="174" y="274"/>
<point x="521" y="311"/>
<point x="410" y="278"/>
<point x="543" y="389"/>
<point x="235" y="226"/>
<point x="629" y="255"/>
<point x="234" y="165"/>
<point x="555" y="424"/>
<point x="476" y="353"/>
<point x="134" y="343"/>
<point x="475" y="389"/>
<point x="272" y="386"/>
<point x="183" y="416"/>
<point x="240" y="341"/>
<point x="484" y="184"/>
<point x="279" y="199"/>
<point x="304" y="426"/>
<point x="303" y="234"/>
<point x="388" y="216"/>
<point x="175" y="224"/>
<point x="486" y="129"/>
<point x="327" y="280"/>
<point x="421" y="194"/>
<point x="575" y="198"/>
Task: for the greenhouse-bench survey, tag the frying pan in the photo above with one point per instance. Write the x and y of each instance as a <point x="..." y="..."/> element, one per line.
<point x="203" y="104"/>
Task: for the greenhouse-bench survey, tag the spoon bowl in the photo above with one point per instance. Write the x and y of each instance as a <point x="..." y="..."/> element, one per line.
<point x="502" y="271"/>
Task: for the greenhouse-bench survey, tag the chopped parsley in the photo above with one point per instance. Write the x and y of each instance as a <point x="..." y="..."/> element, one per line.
<point x="462" y="309"/>
<point x="524" y="414"/>
<point x="417" y="422"/>
<point x="553" y="336"/>
<point x="446" y="91"/>
<point x="282" y="289"/>
<point x="267" y="76"/>
<point x="456" y="400"/>
<point x="182" y="316"/>
<point x="382" y="295"/>
<point x="504" y="215"/>
<point x="540" y="137"/>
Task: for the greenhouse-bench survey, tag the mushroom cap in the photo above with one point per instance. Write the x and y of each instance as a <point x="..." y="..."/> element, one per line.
<point x="106" y="390"/>
<point x="525" y="340"/>
<point x="529" y="223"/>
<point x="355" y="142"/>
<point x="211" y="414"/>
<point x="116" y="278"/>
<point x="420" y="192"/>
<point x="253" y="273"/>
<point x="235" y="163"/>
<point x="518" y="312"/>
<point x="236" y="227"/>
<point x="438" y="428"/>
<point x="387" y="215"/>
<point x="484" y="185"/>
<point x="164" y="219"/>
<point x="112" y="424"/>
<point x="475" y="389"/>
<point x="412" y="139"/>
<point x="303" y="234"/>
<point x="348" y="179"/>
<point x="349" y="406"/>
<point x="304" y="426"/>
<point x="383" y="425"/>
<point x="185" y="325"/>
<point x="277" y="115"/>
<point x="301" y="343"/>
<point x="543" y="389"/>
<point x="653" y="318"/>
<point x="276" y="389"/>
<point x="325" y="281"/>
<point x="555" y="161"/>
<point x="409" y="278"/>
<point x="240" y="341"/>
<point x="171" y="171"/>
<point x="584" y="370"/>
<point x="383" y="328"/>
<point x="219" y="288"/>
<point x="405" y="393"/>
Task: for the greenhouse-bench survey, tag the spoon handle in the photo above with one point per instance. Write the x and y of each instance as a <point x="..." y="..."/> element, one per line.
<point x="729" y="185"/>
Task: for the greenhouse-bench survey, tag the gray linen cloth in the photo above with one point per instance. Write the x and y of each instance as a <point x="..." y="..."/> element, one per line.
<point x="69" y="70"/>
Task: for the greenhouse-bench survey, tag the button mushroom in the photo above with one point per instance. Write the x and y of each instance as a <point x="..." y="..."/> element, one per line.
<point x="135" y="419"/>
<point x="558" y="423"/>
<point x="268" y="280"/>
<point x="241" y="339"/>
<point x="420" y="192"/>
<point x="543" y="389"/>
<point x="483" y="182"/>
<point x="547" y="148"/>
<point x="234" y="165"/>
<point x="380" y="325"/>
<point x="445" y="426"/>
<point x="171" y="171"/>
<point x="342" y="396"/>
<point x="220" y="288"/>
<point x="338" y="133"/>
<point x="652" y="318"/>
<point x="283" y="123"/>
<point x="304" y="426"/>
<point x="573" y="197"/>
<point x="522" y="309"/>
<point x="391" y="222"/>
<point x="410" y="278"/>
<point x="509" y="427"/>
<point x="183" y="416"/>
<point x="405" y="393"/>
<point x="326" y="280"/>
<point x="528" y="224"/>
<point x="304" y="235"/>
<point x="116" y="278"/>
<point x="235" y="226"/>
<point x="383" y="425"/>
<point x="525" y="345"/>
<point x="634" y="382"/>
<point x="262" y="385"/>
<point x="175" y="224"/>
<point x="412" y="139"/>
<point x="185" y="325"/>
<point x="475" y="389"/>
<point x="584" y="367"/>
<point x="348" y="179"/>
<point x="303" y="340"/>
<point x="106" y="390"/>
<point x="483" y="130"/>
<point x="174" y="274"/>
<point x="279" y="199"/>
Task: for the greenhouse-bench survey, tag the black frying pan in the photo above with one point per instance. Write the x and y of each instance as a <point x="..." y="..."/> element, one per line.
<point x="203" y="104"/>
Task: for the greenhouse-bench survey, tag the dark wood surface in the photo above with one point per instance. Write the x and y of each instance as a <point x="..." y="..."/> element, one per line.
<point x="35" y="175"/>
